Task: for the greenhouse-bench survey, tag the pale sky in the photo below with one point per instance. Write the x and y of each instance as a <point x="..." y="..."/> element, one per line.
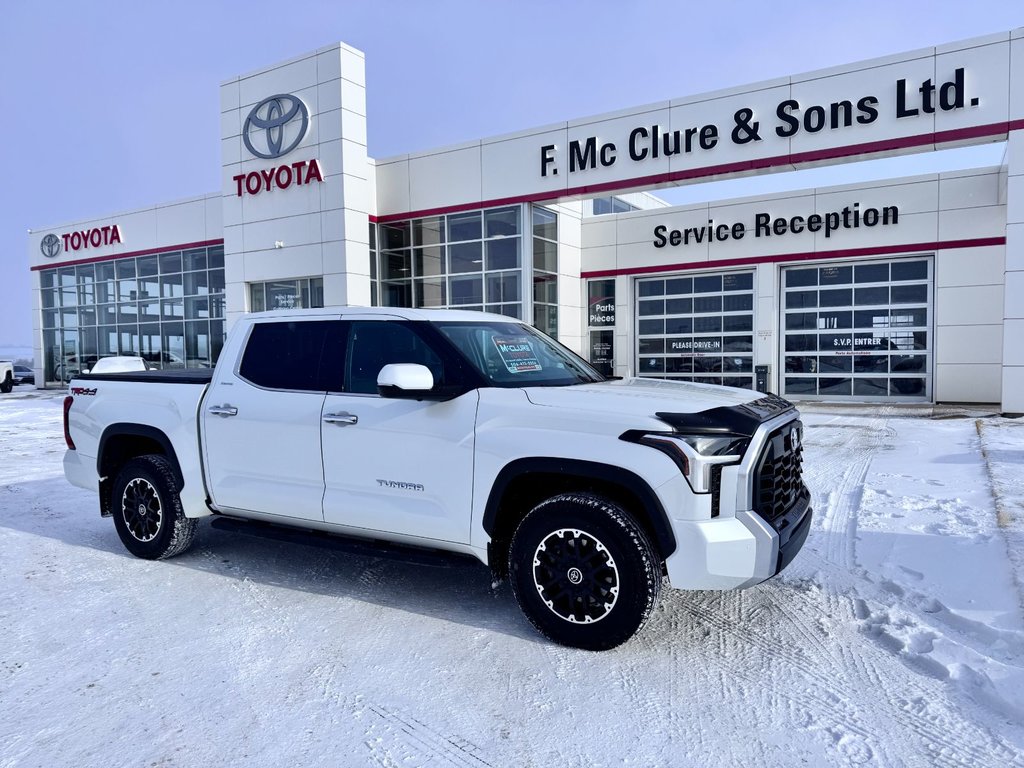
<point x="113" y="106"/>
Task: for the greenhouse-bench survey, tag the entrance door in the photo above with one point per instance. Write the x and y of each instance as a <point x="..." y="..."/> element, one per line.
<point x="397" y="465"/>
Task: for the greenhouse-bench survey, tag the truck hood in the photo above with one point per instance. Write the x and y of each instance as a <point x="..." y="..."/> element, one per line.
<point x="640" y="397"/>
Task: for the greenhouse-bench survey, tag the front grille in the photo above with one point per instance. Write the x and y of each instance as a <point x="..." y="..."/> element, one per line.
<point x="779" y="483"/>
<point x="716" y="489"/>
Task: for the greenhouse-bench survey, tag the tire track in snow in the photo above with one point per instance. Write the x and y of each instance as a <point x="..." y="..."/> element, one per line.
<point x="418" y="743"/>
<point x="867" y="733"/>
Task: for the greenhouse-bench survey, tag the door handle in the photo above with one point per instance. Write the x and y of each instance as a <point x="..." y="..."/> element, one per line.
<point x="223" y="410"/>
<point x="342" y="418"/>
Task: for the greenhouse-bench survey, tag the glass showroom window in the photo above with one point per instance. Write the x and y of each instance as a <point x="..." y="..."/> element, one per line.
<point x="698" y="328"/>
<point x="166" y="307"/>
<point x="860" y="330"/>
<point x="467" y="260"/>
<point x="545" y="271"/>
<point x="304" y="293"/>
<point x="605" y="205"/>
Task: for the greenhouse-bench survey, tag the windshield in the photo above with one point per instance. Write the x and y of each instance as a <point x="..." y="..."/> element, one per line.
<point x="516" y="355"/>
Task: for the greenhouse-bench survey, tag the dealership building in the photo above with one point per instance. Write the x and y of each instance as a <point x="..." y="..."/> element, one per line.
<point x="904" y="290"/>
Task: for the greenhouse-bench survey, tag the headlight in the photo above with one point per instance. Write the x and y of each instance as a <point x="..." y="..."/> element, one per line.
<point x="696" y="455"/>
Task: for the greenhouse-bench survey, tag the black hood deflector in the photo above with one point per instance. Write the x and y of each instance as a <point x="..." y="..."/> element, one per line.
<point x="739" y="420"/>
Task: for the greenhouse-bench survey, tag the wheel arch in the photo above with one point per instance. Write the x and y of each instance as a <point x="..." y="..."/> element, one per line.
<point x="122" y="442"/>
<point x="524" y="483"/>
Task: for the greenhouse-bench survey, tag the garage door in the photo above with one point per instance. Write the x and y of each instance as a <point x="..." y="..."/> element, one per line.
<point x="697" y="328"/>
<point x="858" y="331"/>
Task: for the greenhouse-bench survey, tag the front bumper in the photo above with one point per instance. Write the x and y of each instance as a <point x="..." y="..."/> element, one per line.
<point x="736" y="552"/>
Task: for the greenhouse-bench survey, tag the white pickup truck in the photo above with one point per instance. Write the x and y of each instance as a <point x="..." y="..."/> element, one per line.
<point x="6" y="376"/>
<point x="459" y="431"/>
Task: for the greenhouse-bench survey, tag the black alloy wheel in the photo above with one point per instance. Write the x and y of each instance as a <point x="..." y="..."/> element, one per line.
<point x="147" y="511"/>
<point x="576" y="576"/>
<point x="141" y="509"/>
<point x="584" y="571"/>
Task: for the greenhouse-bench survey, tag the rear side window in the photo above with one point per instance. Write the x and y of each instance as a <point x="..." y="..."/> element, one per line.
<point x="285" y="355"/>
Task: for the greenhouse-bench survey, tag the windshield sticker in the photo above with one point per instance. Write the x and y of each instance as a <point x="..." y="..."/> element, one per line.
<point x="517" y="354"/>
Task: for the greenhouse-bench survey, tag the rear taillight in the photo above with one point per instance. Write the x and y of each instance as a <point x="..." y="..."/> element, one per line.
<point x="67" y="431"/>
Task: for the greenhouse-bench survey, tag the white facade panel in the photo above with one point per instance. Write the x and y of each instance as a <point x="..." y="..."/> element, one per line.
<point x="970" y="266"/>
<point x="328" y="64"/>
<point x="181" y="223"/>
<point x="265" y="234"/>
<point x="231" y="150"/>
<point x="230" y="95"/>
<point x="969" y="191"/>
<point x="1014" y="300"/>
<point x="353" y="65"/>
<point x="1014" y="247"/>
<point x="353" y="125"/>
<point x="330" y="131"/>
<point x="1013" y="389"/>
<point x="1015" y="195"/>
<point x="969" y="344"/>
<point x="968" y="383"/>
<point x="286" y="78"/>
<point x="1016" y="77"/>
<point x="1014" y="353"/>
<point x="279" y="264"/>
<point x="971" y="223"/>
<point x="920" y="195"/>
<point x="970" y="305"/>
<point x="393" y="186"/>
<point x="353" y="97"/>
<point x="329" y="96"/>
<point x="598" y="259"/>
<point x="446" y="178"/>
<point x="353" y="159"/>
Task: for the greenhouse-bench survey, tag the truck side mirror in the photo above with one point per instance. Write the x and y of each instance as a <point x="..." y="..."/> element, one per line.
<point x="406" y="380"/>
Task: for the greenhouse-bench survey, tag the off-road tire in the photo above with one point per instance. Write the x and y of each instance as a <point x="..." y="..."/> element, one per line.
<point x="7" y="384"/>
<point x="584" y="571"/>
<point x="147" y="510"/>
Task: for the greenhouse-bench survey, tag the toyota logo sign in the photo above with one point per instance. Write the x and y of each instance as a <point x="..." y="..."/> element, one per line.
<point x="275" y="126"/>
<point x="50" y="246"/>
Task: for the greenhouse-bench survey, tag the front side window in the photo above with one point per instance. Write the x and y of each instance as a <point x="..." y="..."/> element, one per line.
<point x="372" y="345"/>
<point x="515" y="355"/>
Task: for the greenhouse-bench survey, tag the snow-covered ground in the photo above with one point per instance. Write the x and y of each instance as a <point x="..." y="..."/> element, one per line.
<point x="895" y="639"/>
